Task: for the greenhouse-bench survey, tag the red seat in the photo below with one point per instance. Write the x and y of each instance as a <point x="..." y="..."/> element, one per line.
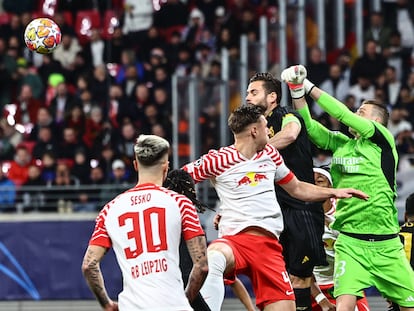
<point x="4" y="18"/>
<point x="85" y="21"/>
<point x="110" y="21"/>
<point x="167" y="32"/>
<point x="47" y="7"/>
<point x="28" y="144"/>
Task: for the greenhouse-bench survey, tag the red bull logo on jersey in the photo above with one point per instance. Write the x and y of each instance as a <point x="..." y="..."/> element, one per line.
<point x="251" y="179"/>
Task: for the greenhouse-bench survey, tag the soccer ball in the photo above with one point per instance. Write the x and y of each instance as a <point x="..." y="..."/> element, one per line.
<point x="42" y="35"/>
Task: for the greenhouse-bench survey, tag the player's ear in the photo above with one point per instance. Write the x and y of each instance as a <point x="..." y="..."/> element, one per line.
<point x="253" y="131"/>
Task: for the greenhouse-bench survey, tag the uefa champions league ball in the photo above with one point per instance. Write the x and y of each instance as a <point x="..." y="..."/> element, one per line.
<point x="42" y="35"/>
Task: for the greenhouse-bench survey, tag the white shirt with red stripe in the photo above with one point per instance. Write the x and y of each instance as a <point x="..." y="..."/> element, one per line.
<point x="324" y="275"/>
<point x="245" y="187"/>
<point x="144" y="227"/>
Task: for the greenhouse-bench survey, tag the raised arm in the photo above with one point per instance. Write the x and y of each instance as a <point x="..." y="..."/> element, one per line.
<point x="319" y="134"/>
<point x="295" y="77"/>
<point x="309" y="192"/>
<point x="287" y="135"/>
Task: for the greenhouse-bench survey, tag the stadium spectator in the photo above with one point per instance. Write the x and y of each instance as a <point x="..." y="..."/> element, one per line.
<point x="94" y="125"/>
<point x="116" y="44"/>
<point x="26" y="107"/>
<point x="75" y="119"/>
<point x="66" y="52"/>
<point x="155" y="59"/>
<point x="99" y="86"/>
<point x="19" y="167"/>
<point x="131" y="81"/>
<point x="32" y="196"/>
<point x="174" y="13"/>
<point x="45" y="143"/>
<point x="27" y="76"/>
<point x="398" y="122"/>
<point x="370" y="65"/>
<point x="62" y="192"/>
<point x="194" y="33"/>
<point x="62" y="103"/>
<point x="44" y="118"/>
<point x="69" y="144"/>
<point x="96" y="187"/>
<point x="95" y="50"/>
<point x="152" y="40"/>
<point x="6" y="147"/>
<point x="362" y="90"/>
<point x="378" y="31"/>
<point x="7" y="192"/>
<point x="49" y="162"/>
<point x="335" y="84"/>
<point x="392" y="85"/>
<point x="81" y="166"/>
<point x="137" y="19"/>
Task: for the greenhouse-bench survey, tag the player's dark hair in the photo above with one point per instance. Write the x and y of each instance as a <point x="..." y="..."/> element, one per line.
<point x="380" y="109"/>
<point x="409" y="205"/>
<point x="181" y="182"/>
<point x="243" y="116"/>
<point x="270" y="84"/>
<point x="150" y="149"/>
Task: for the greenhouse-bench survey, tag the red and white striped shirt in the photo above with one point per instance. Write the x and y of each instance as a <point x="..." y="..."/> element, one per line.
<point x="144" y="227"/>
<point x="245" y="187"/>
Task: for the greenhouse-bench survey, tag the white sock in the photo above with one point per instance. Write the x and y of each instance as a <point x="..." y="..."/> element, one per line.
<point x="213" y="287"/>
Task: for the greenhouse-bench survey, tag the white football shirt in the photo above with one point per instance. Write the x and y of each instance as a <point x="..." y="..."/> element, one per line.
<point x="245" y="187"/>
<point x="144" y="227"/>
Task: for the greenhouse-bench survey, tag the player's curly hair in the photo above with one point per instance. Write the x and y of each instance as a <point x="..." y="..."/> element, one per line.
<point x="181" y="182"/>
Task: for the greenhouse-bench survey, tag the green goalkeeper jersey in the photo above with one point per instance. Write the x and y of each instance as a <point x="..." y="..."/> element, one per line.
<point x="367" y="163"/>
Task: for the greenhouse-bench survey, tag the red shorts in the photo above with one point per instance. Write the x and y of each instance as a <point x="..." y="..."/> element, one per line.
<point x="261" y="259"/>
<point x="362" y="303"/>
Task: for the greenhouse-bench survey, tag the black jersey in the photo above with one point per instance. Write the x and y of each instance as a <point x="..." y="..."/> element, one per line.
<point x="297" y="156"/>
<point x="407" y="236"/>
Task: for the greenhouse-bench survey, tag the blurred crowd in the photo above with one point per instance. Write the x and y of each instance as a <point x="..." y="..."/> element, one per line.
<point x="70" y="118"/>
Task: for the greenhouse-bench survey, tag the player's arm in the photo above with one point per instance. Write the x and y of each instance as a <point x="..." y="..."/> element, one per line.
<point x="197" y="248"/>
<point x="92" y="272"/>
<point x="241" y="292"/>
<point x="320" y="298"/>
<point x="295" y="77"/>
<point x="309" y="192"/>
<point x="290" y="130"/>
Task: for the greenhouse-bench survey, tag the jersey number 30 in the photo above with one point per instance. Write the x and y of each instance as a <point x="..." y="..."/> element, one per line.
<point x="154" y="227"/>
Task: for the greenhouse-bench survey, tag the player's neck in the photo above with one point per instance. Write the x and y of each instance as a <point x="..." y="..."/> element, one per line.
<point x="247" y="149"/>
<point x="150" y="179"/>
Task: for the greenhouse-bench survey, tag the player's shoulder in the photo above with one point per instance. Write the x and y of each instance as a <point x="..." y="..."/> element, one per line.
<point x="271" y="150"/>
<point x="177" y="197"/>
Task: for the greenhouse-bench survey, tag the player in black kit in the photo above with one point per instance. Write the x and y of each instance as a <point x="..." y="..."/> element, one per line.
<point x="407" y="236"/>
<point x="304" y="221"/>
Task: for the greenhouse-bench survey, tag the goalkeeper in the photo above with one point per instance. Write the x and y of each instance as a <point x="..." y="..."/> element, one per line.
<point x="368" y="249"/>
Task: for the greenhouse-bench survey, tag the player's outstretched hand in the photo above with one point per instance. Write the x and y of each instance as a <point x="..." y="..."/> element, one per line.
<point x="294" y="74"/>
<point x="326" y="305"/>
<point x="111" y="306"/>
<point x="294" y="77"/>
<point x="343" y="193"/>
